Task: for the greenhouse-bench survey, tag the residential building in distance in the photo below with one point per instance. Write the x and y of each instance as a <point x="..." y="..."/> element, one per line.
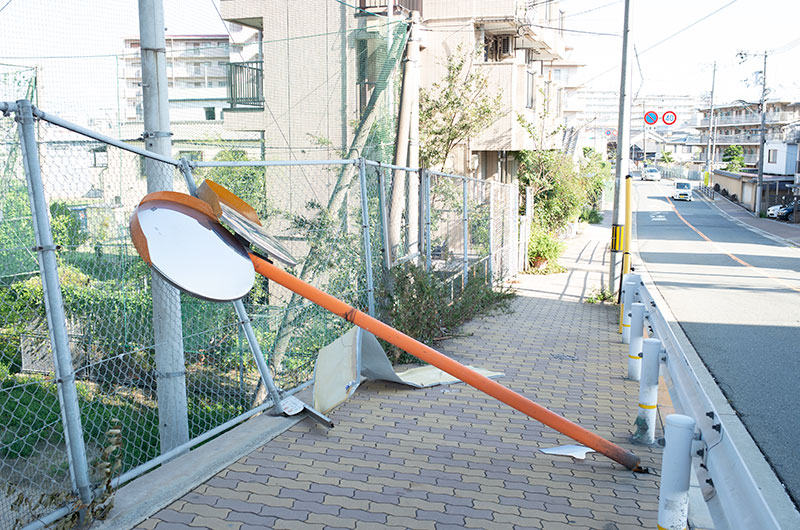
<point x="515" y="40"/>
<point x="739" y="123"/>
<point x="600" y="111"/>
<point x="196" y="72"/>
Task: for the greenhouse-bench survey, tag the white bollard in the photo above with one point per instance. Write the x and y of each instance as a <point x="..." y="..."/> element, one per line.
<point x="676" y="465"/>
<point x="648" y="393"/>
<point x="630" y="292"/>
<point x="635" y="350"/>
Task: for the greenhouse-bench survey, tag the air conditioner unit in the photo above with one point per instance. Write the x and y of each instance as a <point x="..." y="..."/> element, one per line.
<point x="505" y="45"/>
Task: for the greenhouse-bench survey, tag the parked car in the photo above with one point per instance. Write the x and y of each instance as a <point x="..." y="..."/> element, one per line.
<point x="651" y="173"/>
<point x="682" y="191"/>
<point x="772" y="211"/>
<point x="784" y="213"/>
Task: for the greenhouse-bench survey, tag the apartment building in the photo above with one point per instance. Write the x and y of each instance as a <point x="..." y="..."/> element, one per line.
<point x="516" y="41"/>
<point x="196" y="72"/>
<point x="739" y="123"/>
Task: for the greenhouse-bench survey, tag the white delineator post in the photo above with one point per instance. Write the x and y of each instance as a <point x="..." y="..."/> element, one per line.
<point x="648" y="393"/>
<point x="637" y="335"/>
<point x="629" y="287"/>
<point x="676" y="464"/>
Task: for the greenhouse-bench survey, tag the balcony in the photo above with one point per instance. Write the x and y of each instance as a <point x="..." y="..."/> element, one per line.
<point x="380" y="7"/>
<point x="751" y="118"/>
<point x="246" y="85"/>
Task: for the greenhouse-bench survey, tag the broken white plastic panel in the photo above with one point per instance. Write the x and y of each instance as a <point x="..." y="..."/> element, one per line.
<point x="357" y="355"/>
<point x="575" y="451"/>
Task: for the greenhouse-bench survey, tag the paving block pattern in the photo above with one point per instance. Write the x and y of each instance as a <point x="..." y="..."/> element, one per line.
<point x="450" y="456"/>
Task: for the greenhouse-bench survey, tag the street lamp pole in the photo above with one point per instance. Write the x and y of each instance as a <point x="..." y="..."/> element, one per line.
<point x="760" y="206"/>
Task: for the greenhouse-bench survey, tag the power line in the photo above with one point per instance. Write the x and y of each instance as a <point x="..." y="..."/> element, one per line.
<point x="575" y="30"/>
<point x="662" y="41"/>
<point x="593" y="9"/>
<point x="786" y="47"/>
<point x="5" y="5"/>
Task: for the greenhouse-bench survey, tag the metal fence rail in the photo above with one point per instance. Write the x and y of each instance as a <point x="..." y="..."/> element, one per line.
<point x="733" y="497"/>
<point x="68" y="379"/>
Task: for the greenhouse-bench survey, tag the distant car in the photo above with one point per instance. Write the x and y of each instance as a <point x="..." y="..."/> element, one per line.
<point x="682" y="191"/>
<point x="651" y="173"/>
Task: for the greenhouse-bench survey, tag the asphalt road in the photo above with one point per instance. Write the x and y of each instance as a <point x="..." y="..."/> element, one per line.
<point x="736" y="295"/>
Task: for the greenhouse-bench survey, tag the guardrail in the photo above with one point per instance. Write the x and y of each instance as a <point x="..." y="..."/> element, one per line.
<point x="732" y="495"/>
<point x="708" y="191"/>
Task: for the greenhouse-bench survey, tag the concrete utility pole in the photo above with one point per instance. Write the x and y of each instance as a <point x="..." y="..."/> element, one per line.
<point x="412" y="210"/>
<point x="760" y="206"/>
<point x="409" y="94"/>
<point x="173" y="424"/>
<point x="623" y="151"/>
<point x="709" y="153"/>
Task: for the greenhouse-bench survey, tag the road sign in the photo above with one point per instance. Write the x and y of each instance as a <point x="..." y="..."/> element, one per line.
<point x="608" y="132"/>
<point x="669" y="117"/>
<point x="650" y="117"/>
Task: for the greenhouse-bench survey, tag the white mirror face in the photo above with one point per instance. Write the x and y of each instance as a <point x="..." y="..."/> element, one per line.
<point x="194" y="253"/>
<point x="256" y="235"/>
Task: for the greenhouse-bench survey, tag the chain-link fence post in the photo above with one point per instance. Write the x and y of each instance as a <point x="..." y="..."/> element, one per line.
<point x="387" y="251"/>
<point x="513" y="215"/>
<point x="426" y="188"/>
<point x="465" y="208"/>
<point x="491" y="232"/>
<point x="54" y="306"/>
<point x="362" y="175"/>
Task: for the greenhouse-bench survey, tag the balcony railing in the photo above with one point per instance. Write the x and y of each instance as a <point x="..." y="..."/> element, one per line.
<point x="246" y="85"/>
<point x="752" y="118"/>
<point x="399" y="5"/>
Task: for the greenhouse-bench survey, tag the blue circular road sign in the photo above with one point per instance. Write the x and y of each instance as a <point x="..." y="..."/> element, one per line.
<point x="650" y="117"/>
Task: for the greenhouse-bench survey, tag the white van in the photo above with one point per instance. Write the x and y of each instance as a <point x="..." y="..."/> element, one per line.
<point x="682" y="191"/>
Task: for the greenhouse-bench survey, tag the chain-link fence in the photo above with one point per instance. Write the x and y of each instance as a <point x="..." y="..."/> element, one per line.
<point x="117" y="378"/>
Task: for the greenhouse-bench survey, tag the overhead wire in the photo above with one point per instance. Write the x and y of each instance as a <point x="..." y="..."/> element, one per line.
<point x="662" y="41"/>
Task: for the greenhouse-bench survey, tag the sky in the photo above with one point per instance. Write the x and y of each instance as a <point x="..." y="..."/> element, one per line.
<point x="683" y="64"/>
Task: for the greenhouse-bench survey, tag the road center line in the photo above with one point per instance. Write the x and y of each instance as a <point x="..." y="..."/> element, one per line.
<point x="734" y="258"/>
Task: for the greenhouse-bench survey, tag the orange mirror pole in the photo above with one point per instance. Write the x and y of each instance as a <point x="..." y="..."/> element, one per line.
<point x="441" y="361"/>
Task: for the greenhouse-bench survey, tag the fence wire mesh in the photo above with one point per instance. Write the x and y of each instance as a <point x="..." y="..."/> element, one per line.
<point x="323" y="85"/>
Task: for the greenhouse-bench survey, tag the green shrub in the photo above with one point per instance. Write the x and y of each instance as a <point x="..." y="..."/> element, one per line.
<point x="544" y="250"/>
<point x="420" y="306"/>
<point x="591" y="216"/>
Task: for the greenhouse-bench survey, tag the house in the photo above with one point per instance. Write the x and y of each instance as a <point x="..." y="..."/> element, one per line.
<point x="517" y="44"/>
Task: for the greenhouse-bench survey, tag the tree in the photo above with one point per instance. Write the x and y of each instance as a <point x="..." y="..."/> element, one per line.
<point x="734" y="156"/>
<point x="667" y="158"/>
<point x="455" y="109"/>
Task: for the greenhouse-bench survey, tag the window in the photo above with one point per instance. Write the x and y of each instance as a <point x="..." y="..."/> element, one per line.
<point x="211" y="113"/>
<point x="100" y="156"/>
<point x="772" y="156"/>
<point x="222" y="83"/>
<point x="197" y="84"/>
<point x="530" y="93"/>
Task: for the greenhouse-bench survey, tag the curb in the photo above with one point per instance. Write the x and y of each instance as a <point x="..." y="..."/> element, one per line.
<point x="756" y="230"/>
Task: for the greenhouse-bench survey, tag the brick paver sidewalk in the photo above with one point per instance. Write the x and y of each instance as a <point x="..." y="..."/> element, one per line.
<point x="450" y="456"/>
